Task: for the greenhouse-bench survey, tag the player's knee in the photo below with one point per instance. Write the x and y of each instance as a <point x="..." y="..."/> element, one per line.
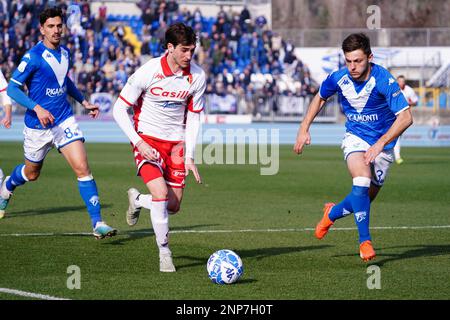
<point x="173" y="208"/>
<point x="159" y="194"/>
<point x="33" y="175"/>
<point x="82" y="170"/>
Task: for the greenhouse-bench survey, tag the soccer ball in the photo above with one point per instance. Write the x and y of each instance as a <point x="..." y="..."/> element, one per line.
<point x="224" y="267"/>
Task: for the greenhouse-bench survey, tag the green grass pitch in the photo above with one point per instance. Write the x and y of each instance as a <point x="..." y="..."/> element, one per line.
<point x="267" y="220"/>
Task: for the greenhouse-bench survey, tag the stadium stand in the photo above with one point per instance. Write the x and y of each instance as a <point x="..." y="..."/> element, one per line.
<point x="250" y="69"/>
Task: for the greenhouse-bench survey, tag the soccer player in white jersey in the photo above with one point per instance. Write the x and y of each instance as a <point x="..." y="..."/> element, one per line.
<point x="49" y="120"/>
<point x="5" y="101"/>
<point x="412" y="99"/>
<point x="166" y="94"/>
<point x="377" y="113"/>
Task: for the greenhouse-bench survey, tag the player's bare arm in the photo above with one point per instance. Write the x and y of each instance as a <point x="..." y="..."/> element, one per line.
<point x="45" y="117"/>
<point x="190" y="166"/>
<point x="6" y="121"/>
<point x="303" y="136"/>
<point x="93" y="109"/>
<point x="403" y="121"/>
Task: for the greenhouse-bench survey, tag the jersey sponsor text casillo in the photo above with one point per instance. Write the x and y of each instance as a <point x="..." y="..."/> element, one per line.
<point x="160" y="98"/>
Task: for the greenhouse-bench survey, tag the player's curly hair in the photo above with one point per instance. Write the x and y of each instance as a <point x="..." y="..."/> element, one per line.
<point x="357" y="41"/>
<point x="50" y="13"/>
<point x="179" y="33"/>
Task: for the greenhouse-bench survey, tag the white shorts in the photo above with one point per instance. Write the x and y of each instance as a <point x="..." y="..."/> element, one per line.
<point x="383" y="161"/>
<point x="37" y="143"/>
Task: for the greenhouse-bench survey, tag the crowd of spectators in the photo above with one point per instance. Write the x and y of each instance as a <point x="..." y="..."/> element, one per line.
<point x="242" y="57"/>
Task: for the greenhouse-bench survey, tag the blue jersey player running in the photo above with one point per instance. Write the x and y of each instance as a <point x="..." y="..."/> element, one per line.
<point x="49" y="121"/>
<point x="377" y="114"/>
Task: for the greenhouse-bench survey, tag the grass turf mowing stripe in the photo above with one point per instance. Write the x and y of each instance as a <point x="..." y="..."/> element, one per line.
<point x="50" y="234"/>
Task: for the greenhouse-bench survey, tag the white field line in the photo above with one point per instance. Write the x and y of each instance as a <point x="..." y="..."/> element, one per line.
<point x="51" y="234"/>
<point x="29" y="294"/>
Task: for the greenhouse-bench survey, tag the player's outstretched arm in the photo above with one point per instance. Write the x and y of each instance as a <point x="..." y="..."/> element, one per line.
<point x="6" y="121"/>
<point x="192" y="130"/>
<point x="303" y="136"/>
<point x="93" y="109"/>
<point x="403" y="121"/>
<point x="123" y="120"/>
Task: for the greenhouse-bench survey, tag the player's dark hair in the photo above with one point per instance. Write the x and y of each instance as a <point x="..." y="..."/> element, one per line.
<point x="357" y="41"/>
<point x="179" y="33"/>
<point x="50" y="13"/>
<point x="401" y="77"/>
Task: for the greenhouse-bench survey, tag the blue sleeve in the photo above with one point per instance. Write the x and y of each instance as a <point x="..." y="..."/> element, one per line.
<point x="19" y="96"/>
<point x="328" y="87"/>
<point x="27" y="66"/>
<point x="391" y="91"/>
<point x="73" y="91"/>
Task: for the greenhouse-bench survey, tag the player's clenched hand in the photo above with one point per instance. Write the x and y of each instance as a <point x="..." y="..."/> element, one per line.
<point x="147" y="152"/>
<point x="190" y="166"/>
<point x="303" y="138"/>
<point x="372" y="153"/>
<point x="93" y="109"/>
<point x="44" y="116"/>
<point x="6" y="122"/>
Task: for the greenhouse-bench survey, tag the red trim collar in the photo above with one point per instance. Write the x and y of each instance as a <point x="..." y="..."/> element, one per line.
<point x="168" y="72"/>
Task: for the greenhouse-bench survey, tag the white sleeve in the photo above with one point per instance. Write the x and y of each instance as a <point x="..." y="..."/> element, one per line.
<point x="4" y="98"/>
<point x="197" y="102"/>
<point x="120" y="114"/>
<point x="413" y="96"/>
<point x="192" y="130"/>
<point x="127" y="98"/>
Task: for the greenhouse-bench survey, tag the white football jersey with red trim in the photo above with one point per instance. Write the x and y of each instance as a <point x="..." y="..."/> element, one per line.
<point x="4" y="99"/>
<point x="160" y="99"/>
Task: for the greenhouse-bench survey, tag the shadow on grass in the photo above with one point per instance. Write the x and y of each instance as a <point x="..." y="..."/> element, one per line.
<point x="52" y="210"/>
<point x="258" y="254"/>
<point x="410" y="252"/>
<point x="133" y="235"/>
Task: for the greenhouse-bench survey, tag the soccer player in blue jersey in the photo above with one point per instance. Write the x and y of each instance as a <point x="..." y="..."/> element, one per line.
<point x="377" y="113"/>
<point x="49" y="120"/>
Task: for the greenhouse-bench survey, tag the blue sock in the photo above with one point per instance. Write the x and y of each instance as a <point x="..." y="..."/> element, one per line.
<point x="342" y="209"/>
<point x="17" y="178"/>
<point x="361" y="207"/>
<point x="89" y="193"/>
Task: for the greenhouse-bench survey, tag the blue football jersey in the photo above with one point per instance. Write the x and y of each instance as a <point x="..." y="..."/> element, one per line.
<point x="44" y="71"/>
<point x="370" y="106"/>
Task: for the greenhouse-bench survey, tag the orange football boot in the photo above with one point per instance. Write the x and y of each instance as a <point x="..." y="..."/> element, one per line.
<point x="324" y="224"/>
<point x="366" y="251"/>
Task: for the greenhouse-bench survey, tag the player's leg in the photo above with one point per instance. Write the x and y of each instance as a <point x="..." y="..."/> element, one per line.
<point x="398" y="158"/>
<point x="380" y="169"/>
<point x="331" y="211"/>
<point x="137" y="201"/>
<point x="360" y="201"/>
<point x="159" y="215"/>
<point x="37" y="143"/>
<point x="75" y="154"/>
<point x="175" y="198"/>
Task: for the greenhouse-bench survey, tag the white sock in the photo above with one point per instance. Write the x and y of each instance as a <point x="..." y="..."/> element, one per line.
<point x="160" y="222"/>
<point x="397" y="150"/>
<point x="144" y="200"/>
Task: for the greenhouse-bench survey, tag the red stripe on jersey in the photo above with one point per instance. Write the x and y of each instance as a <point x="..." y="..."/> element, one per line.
<point x="165" y="66"/>
<point x="187" y="72"/>
<point x="190" y="105"/>
<point x="126" y="101"/>
<point x="168" y="72"/>
<point x="4" y="89"/>
<point x="137" y="111"/>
